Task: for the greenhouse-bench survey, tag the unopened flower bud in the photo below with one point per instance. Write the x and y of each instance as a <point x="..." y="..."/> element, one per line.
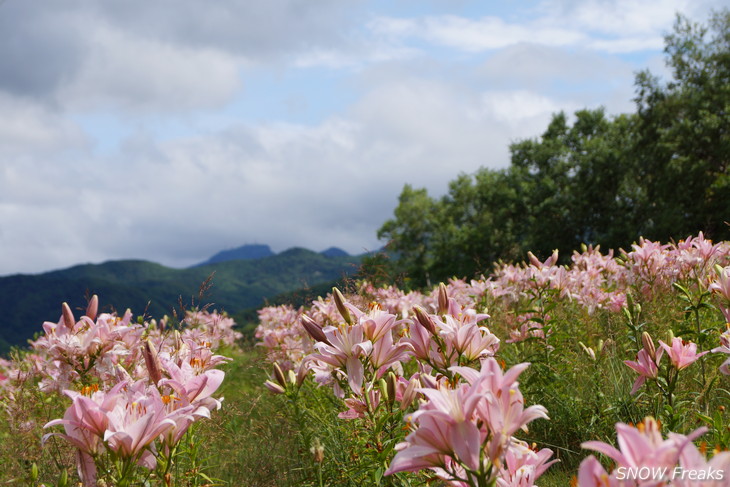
<point x="292" y="377"/>
<point x="314" y="330"/>
<point x="68" y="316"/>
<point x="391" y="383"/>
<point x="93" y="307"/>
<point x="588" y="350"/>
<point x="63" y="479"/>
<point x="279" y="375"/>
<point x="151" y="361"/>
<point x="409" y="395"/>
<point x="340" y="303"/>
<point x="34" y="472"/>
<point x="670" y="336"/>
<point x="425" y="320"/>
<point x="178" y="340"/>
<point x="274" y="387"/>
<point x="443" y="299"/>
<point x="648" y="345"/>
<point x="384" y="389"/>
<point x="302" y="372"/>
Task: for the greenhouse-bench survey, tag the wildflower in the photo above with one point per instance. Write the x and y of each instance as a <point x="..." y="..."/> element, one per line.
<point x="682" y="354"/>
<point x="645" y="366"/>
<point x="643" y="445"/>
<point x="722" y="285"/>
<point x="346" y="345"/>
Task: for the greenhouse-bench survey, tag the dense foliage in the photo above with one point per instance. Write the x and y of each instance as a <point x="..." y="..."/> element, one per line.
<point x="661" y="173"/>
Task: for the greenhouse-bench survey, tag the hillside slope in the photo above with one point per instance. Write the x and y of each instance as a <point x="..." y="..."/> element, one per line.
<point x="145" y="287"/>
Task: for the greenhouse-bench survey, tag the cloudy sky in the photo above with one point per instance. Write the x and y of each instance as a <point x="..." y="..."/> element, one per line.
<point x="172" y="129"/>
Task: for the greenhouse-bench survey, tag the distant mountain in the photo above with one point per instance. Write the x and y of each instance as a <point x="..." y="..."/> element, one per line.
<point x="334" y="252"/>
<point x="155" y="290"/>
<point x="245" y="252"/>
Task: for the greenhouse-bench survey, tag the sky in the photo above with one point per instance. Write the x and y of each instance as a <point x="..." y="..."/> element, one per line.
<point x="173" y="129"/>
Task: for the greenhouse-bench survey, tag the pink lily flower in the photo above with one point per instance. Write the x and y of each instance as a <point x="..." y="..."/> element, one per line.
<point x="434" y="443"/>
<point x="456" y="318"/>
<point x="643" y="446"/>
<point x="191" y="385"/>
<point x="346" y="345"/>
<point x="645" y="367"/>
<point x="134" y="425"/>
<point x="475" y="342"/>
<point x="385" y="353"/>
<point x="682" y="354"/>
<point x="592" y="474"/>
<point x="376" y="324"/>
<point x="722" y="285"/>
<point x="691" y="459"/>
<point x="522" y="465"/>
<point x="85" y="423"/>
<point x="357" y="408"/>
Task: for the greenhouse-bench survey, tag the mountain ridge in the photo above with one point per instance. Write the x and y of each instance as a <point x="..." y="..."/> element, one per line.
<point x="155" y="290"/>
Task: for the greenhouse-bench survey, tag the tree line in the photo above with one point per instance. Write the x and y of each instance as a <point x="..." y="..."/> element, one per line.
<point x="660" y="173"/>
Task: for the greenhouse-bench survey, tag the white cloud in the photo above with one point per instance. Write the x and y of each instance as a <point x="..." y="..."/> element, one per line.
<point x="526" y="112"/>
<point x="418" y="111"/>
<point x="472" y="35"/>
<point x="26" y="125"/>
<point x="613" y="26"/>
<point x="122" y="71"/>
<point x="624" y="18"/>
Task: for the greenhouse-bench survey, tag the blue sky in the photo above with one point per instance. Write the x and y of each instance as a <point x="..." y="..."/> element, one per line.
<point x="173" y="129"/>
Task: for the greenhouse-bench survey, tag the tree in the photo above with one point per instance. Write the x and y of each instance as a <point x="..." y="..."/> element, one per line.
<point x="660" y="173"/>
<point x="682" y="139"/>
<point x="411" y="232"/>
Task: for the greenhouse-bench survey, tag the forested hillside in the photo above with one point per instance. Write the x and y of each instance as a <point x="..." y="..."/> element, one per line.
<point x="156" y="290"/>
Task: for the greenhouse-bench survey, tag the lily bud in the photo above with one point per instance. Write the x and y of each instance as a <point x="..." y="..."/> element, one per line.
<point x="384" y="389"/>
<point x="63" y="479"/>
<point x="302" y="372"/>
<point x="68" y="316"/>
<point x="340" y="303"/>
<point x="534" y="260"/>
<point x="314" y="330"/>
<point x="670" y="336"/>
<point x="425" y="320"/>
<point x="648" y="345"/>
<point x="292" y="377"/>
<point x="443" y="299"/>
<point x="178" y="340"/>
<point x="93" y="307"/>
<point x="391" y="384"/>
<point x="274" y="387"/>
<point x="409" y="395"/>
<point x="279" y="375"/>
<point x="588" y="350"/>
<point x="152" y="362"/>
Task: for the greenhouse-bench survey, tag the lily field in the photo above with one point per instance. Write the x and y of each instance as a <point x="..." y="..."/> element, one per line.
<point x="612" y="371"/>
